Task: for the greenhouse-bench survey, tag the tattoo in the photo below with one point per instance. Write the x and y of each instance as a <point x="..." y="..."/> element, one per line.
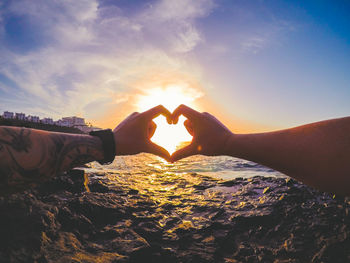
<point x="29" y="156"/>
<point x="74" y="153"/>
<point x="19" y="141"/>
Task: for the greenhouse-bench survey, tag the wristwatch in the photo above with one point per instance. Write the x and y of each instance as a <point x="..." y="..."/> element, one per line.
<point x="108" y="144"/>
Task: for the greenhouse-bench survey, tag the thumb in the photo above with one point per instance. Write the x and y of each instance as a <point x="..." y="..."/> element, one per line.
<point x="189" y="127"/>
<point x="183" y="153"/>
<point x="158" y="150"/>
<point x="151" y="129"/>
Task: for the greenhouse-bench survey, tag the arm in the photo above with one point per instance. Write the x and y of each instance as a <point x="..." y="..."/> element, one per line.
<point x="317" y="154"/>
<point x="30" y="156"/>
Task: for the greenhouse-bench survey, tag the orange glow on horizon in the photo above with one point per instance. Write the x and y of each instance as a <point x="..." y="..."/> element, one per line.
<point x="170" y="91"/>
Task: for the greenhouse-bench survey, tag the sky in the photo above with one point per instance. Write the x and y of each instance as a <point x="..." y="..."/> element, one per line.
<point x="256" y="65"/>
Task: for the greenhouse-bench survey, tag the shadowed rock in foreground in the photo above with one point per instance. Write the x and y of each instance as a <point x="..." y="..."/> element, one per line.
<point x="173" y="218"/>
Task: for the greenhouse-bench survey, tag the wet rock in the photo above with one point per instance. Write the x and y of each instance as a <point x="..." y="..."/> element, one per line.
<point x="98" y="186"/>
<point x="187" y="218"/>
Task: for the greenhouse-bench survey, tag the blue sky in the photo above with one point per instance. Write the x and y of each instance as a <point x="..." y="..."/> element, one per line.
<point x="258" y="64"/>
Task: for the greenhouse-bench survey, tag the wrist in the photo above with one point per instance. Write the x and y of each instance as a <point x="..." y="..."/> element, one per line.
<point x="229" y="141"/>
<point x="117" y="143"/>
<point x="122" y="144"/>
<point x="108" y="145"/>
<point x="240" y="145"/>
<point x="98" y="154"/>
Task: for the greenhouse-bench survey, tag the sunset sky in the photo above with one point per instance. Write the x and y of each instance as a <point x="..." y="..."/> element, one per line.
<point x="256" y="65"/>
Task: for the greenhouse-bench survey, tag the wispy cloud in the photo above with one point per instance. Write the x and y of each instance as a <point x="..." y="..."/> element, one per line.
<point x="267" y="34"/>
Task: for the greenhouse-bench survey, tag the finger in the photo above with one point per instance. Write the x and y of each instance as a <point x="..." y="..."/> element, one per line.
<point x="186" y="111"/>
<point x="189" y="127"/>
<point x="158" y="150"/>
<point x="183" y="153"/>
<point x="151" y="129"/>
<point x="156" y="111"/>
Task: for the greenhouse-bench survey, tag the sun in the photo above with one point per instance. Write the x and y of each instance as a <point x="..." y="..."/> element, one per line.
<point x="168" y="136"/>
<point x="170" y="97"/>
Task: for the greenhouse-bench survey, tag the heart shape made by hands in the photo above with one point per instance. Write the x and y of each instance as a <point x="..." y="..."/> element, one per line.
<point x="171" y="136"/>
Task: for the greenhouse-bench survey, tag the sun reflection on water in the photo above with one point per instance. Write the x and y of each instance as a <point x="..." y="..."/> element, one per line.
<point x="182" y="195"/>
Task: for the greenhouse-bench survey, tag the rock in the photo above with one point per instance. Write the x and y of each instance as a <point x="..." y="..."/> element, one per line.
<point x="82" y="218"/>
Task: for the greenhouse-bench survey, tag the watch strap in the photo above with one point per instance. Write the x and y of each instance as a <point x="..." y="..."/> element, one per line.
<point x="108" y="144"/>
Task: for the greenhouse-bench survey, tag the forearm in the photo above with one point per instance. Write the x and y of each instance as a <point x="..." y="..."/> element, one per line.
<point x="29" y="155"/>
<point x="317" y="154"/>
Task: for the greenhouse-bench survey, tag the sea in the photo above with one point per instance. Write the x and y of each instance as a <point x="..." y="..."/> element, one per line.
<point x="199" y="209"/>
<point x="218" y="167"/>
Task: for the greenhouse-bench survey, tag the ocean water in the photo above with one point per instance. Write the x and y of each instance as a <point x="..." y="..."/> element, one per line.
<point x="220" y="167"/>
<point x="199" y="209"/>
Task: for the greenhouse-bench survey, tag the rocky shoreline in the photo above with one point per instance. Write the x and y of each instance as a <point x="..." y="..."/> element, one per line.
<point x="81" y="217"/>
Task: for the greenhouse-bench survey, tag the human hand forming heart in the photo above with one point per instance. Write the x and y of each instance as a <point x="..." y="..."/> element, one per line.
<point x="133" y="135"/>
<point x="210" y="136"/>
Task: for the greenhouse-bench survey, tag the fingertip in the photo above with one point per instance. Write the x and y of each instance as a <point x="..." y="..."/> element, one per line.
<point x="165" y="158"/>
<point x="151" y="129"/>
<point x="187" y="122"/>
<point x="174" y="159"/>
<point x="177" y="158"/>
<point x="165" y="112"/>
<point x="159" y="151"/>
<point x="186" y="111"/>
<point x="183" y="153"/>
<point x="156" y="111"/>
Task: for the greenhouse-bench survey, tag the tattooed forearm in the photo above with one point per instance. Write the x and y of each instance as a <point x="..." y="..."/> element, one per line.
<point x="28" y="155"/>
<point x="18" y="141"/>
<point x="71" y="152"/>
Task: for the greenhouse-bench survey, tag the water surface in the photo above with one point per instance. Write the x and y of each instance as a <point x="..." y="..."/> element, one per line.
<point x="221" y="167"/>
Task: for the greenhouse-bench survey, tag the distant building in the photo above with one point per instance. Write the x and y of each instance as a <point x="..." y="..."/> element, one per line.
<point x="62" y="123"/>
<point x="47" y="121"/>
<point x="8" y="115"/>
<point x="20" y="116"/>
<point x="74" y="121"/>
<point x="33" y="118"/>
<point x="79" y="123"/>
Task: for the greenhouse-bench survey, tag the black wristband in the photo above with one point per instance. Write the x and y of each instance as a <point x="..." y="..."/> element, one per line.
<point x="108" y="145"/>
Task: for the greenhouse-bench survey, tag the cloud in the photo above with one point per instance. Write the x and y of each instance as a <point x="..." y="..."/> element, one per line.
<point x="266" y="34"/>
<point x="83" y="54"/>
<point x="175" y="21"/>
<point x="254" y="44"/>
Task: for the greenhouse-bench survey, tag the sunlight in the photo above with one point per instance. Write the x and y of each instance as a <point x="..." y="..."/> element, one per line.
<point x="168" y="136"/>
<point x="170" y="97"/>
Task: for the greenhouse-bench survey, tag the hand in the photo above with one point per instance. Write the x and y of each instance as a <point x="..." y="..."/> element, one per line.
<point x="133" y="135"/>
<point x="210" y="136"/>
